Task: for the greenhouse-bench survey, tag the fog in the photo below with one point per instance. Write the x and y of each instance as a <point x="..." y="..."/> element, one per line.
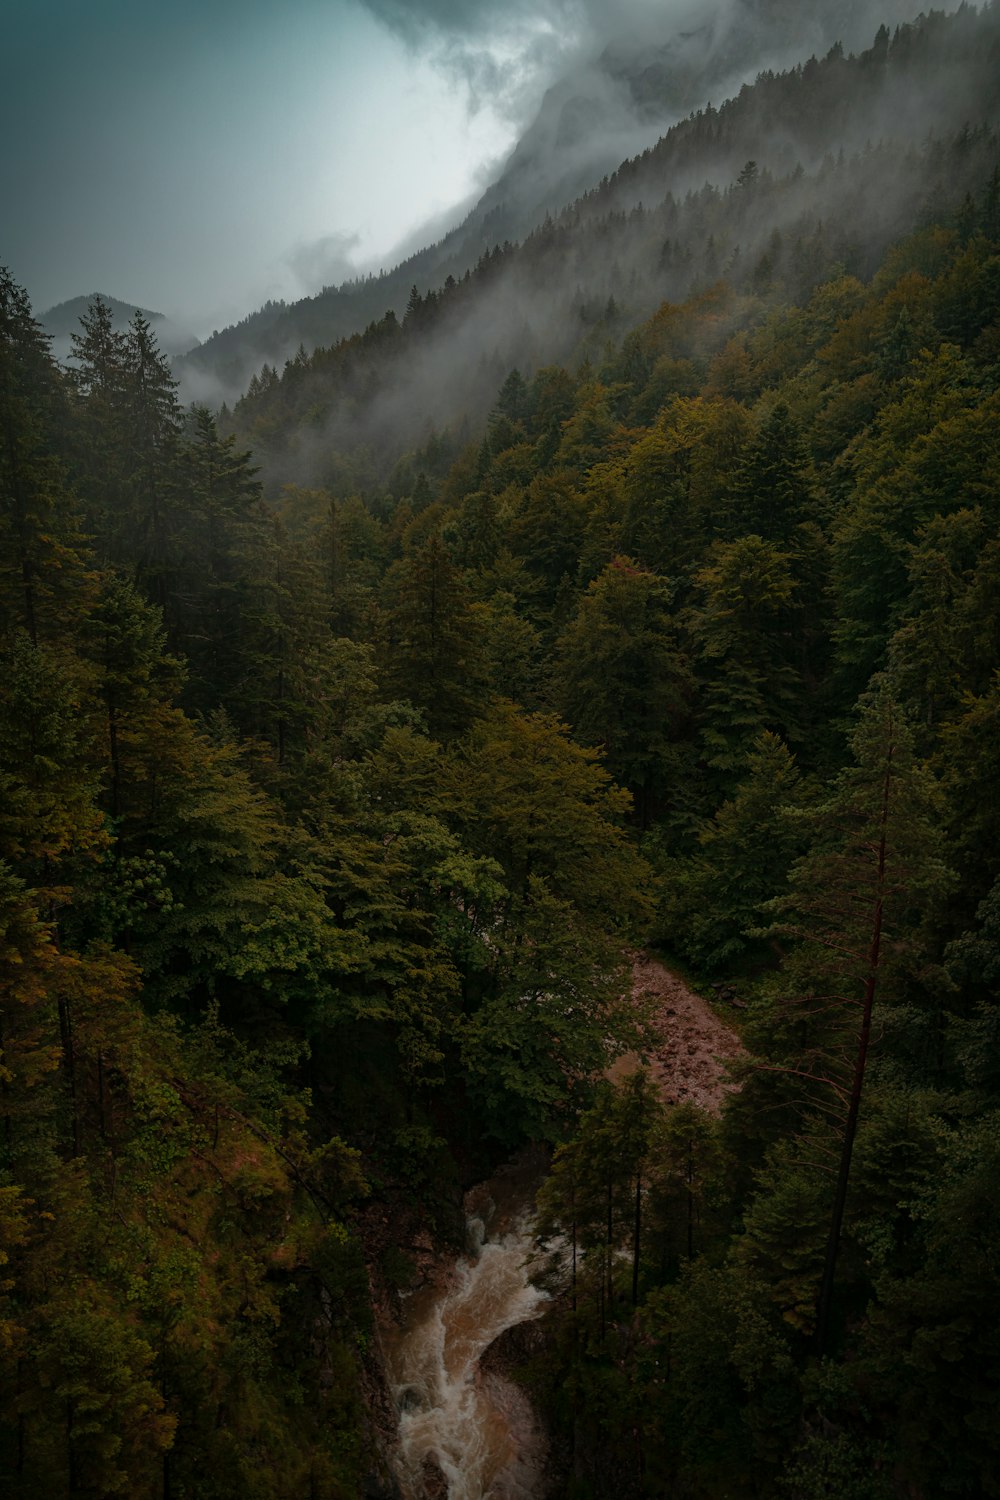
<point x="589" y="85"/>
<point x="597" y="81"/>
<point x="850" y="154"/>
<point x="204" y="160"/>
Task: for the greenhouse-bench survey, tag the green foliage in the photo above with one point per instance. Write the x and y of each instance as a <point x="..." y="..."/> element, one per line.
<point x="710" y="903"/>
<point x="431" y="654"/>
<point x="623" y="682"/>
<point x="309" y="901"/>
<point x="44" y="572"/>
<point x="744" y="630"/>
<point x="543" y="806"/>
<point x="551" y="1020"/>
<point x="48" y="775"/>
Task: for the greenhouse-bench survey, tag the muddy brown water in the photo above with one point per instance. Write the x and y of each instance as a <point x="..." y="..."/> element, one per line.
<point x="471" y="1431"/>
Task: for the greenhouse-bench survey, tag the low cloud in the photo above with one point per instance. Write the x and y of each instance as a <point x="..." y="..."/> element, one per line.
<point x="587" y="82"/>
<point x="582" y="85"/>
<point x="574" y="20"/>
<point x="328" y="261"/>
<point x="508" y="55"/>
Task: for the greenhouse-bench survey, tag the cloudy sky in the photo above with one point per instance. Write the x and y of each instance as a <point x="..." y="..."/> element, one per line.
<point x="202" y="155"/>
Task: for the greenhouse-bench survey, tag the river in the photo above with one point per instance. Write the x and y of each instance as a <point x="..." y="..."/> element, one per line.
<point x="463" y="1432"/>
<point x="469" y="1434"/>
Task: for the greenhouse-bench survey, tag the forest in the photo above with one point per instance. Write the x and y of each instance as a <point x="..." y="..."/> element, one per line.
<point x="339" y="783"/>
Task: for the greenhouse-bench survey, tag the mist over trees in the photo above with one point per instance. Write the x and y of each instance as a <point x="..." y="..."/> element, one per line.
<point x="841" y="146"/>
<point x="351" y="739"/>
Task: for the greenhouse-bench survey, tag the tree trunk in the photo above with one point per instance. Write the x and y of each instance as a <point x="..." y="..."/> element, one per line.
<point x="609" y="1263"/>
<point x="690" y="1201"/>
<point x="574" y="1262"/>
<point x="825" y="1301"/>
<point x="636" y="1232"/>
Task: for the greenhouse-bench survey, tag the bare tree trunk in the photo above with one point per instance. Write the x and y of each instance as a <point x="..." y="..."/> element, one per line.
<point x="636" y="1232"/>
<point x="690" y="1200"/>
<point x="825" y="1300"/>
<point x="574" y="1262"/>
<point x="609" y="1262"/>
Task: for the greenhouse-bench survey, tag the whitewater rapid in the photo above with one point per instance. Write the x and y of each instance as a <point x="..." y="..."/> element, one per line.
<point x="475" y="1429"/>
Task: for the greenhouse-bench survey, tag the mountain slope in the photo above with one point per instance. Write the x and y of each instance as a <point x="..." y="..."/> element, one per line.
<point x="606" y="110"/>
<point x="823" y="166"/>
<point x="321" y="827"/>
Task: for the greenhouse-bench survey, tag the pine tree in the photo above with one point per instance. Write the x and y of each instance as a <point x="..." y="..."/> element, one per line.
<point x="711" y="902"/>
<point x="218" y="500"/>
<point x="44" y="577"/>
<point x="743" y="631"/>
<point x="152" y="425"/>
<point x="431" y="654"/>
<point x="773" y="493"/>
<point x="856" y="911"/>
<point x="134" y="673"/>
<point x="623" y="682"/>
<point x="98" y="375"/>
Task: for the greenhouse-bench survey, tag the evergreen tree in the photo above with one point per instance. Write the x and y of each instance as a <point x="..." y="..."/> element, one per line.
<point x="98" y="374"/>
<point x="152" y="422"/>
<point x="711" y="901"/>
<point x="773" y="493"/>
<point x="623" y="683"/>
<point x="857" y="910"/>
<point x="218" y="509"/>
<point x="431" y="654"/>
<point x="743" y="632"/>
<point x="44" y="576"/>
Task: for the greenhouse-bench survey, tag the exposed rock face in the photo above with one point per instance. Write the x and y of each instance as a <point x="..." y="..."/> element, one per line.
<point x="433" y="1479"/>
<point x="534" y="1463"/>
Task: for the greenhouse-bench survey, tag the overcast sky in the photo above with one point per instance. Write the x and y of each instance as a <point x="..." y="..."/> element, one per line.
<point x="198" y="156"/>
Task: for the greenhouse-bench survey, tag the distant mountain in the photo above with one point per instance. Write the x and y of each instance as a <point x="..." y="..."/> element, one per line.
<point x="63" y="320"/>
<point x="606" y="111"/>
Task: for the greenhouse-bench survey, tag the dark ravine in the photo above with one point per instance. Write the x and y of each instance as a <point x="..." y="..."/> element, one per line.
<point x="467" y="1431"/>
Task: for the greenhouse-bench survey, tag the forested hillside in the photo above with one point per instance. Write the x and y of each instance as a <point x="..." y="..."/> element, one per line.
<point x="845" y="151"/>
<point x="331" y="808"/>
<point x="270" y="916"/>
